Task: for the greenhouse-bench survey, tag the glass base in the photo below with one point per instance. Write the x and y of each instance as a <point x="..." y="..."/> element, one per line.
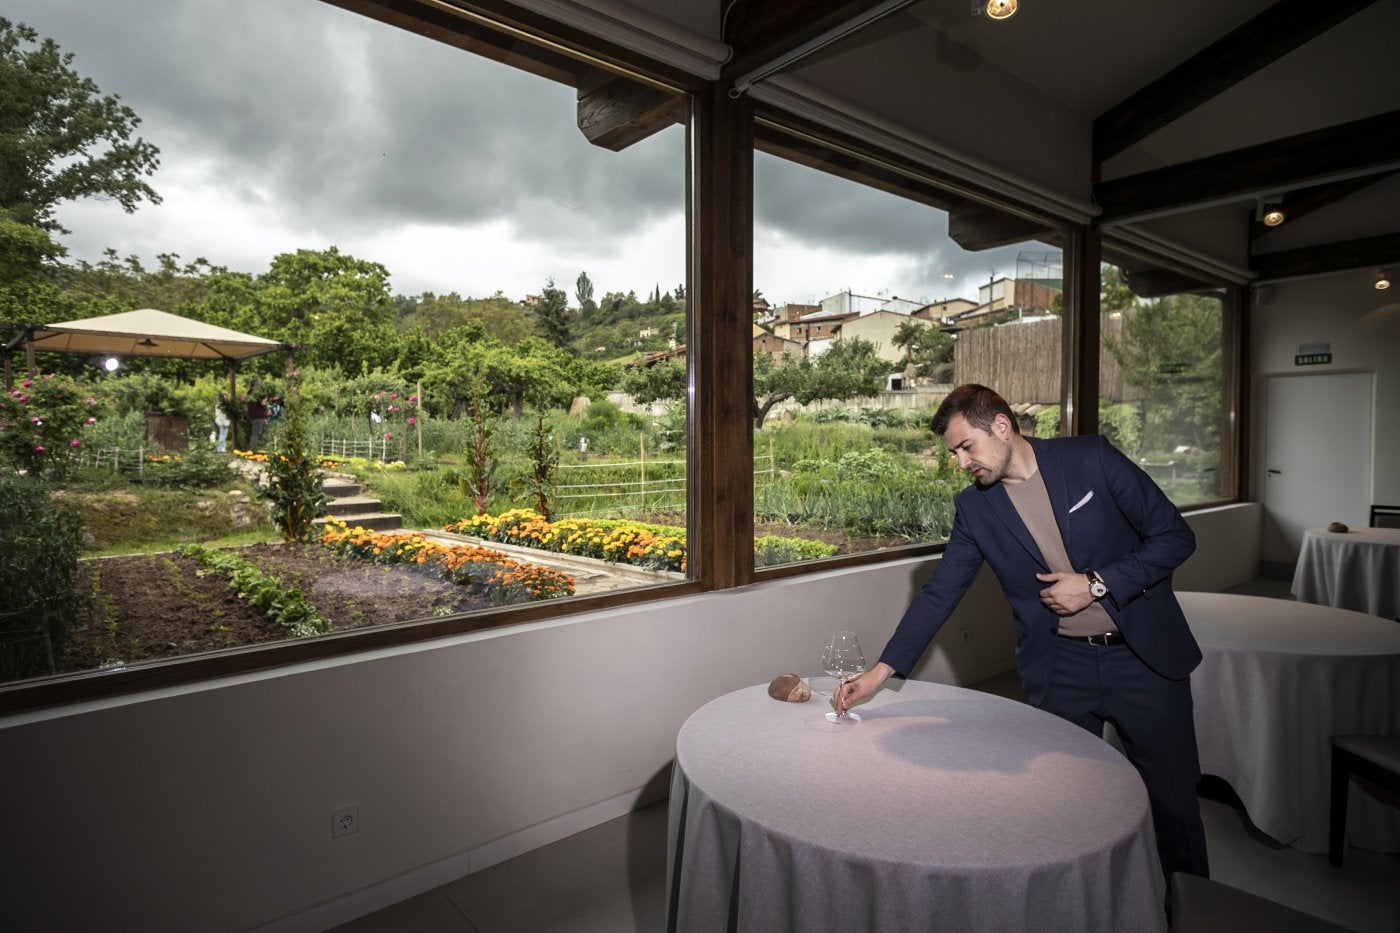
<point x="850" y="719"/>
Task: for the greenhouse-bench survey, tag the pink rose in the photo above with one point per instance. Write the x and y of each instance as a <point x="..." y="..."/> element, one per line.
<point x="91" y="420"/>
<point x="412" y="420"/>
<point x="27" y="383"/>
<point x="40" y="449"/>
<point x="74" y="442"/>
<point x="388" y="436"/>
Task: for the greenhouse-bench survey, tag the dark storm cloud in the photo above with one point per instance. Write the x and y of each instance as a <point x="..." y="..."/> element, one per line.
<point x="347" y="120"/>
<point x="817" y="209"/>
<point x="340" y="123"/>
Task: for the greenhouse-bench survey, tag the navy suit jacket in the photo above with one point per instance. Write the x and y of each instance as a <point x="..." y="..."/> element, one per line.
<point x="1113" y="519"/>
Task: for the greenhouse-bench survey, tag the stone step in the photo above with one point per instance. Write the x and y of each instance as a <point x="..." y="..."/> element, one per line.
<point x="341" y="489"/>
<point x="370" y="521"/>
<point x="353" y="505"/>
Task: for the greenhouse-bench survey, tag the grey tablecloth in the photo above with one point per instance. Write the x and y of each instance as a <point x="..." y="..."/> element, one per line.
<point x="1279" y="679"/>
<point x="946" y="809"/>
<point x="1357" y="569"/>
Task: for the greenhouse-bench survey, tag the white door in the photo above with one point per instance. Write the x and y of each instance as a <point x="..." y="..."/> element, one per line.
<point x="1317" y="457"/>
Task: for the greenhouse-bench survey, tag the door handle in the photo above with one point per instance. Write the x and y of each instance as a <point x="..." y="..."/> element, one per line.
<point x="1275" y="472"/>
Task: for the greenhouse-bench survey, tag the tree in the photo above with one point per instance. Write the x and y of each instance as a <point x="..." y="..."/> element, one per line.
<point x="294" y="478"/>
<point x="498" y="316"/>
<point x="29" y="289"/>
<point x="850" y="369"/>
<point x="583" y="291"/>
<point x="928" y="351"/>
<point x="1171" y="350"/>
<point x="552" y="316"/>
<point x="60" y="138"/>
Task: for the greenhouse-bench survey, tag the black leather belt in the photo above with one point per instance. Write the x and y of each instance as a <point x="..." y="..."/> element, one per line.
<point x="1106" y="638"/>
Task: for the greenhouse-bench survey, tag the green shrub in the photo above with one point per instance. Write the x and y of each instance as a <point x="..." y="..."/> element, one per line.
<point x="294" y="479"/>
<point x="40" y="539"/>
<point x="770" y="550"/>
<point x="197" y="468"/>
<point x="41" y="421"/>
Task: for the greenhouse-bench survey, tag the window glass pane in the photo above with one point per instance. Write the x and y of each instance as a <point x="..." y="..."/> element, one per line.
<point x="463" y="253"/>
<point x="877" y="291"/>
<point x="1161" y="374"/>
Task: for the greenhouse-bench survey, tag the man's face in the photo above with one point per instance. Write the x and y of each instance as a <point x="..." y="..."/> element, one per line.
<point x="984" y="454"/>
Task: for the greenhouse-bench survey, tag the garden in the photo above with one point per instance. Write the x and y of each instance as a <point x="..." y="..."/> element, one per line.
<point x="127" y="552"/>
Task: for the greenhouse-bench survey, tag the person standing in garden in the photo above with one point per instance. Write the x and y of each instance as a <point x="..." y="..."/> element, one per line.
<point x="221" y="423"/>
<point x="1084" y="545"/>
<point x="257" y="414"/>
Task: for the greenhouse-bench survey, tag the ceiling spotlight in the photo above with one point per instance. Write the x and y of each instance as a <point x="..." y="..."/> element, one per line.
<point x="1001" y="9"/>
<point x="111" y="364"/>
<point x="1269" y="211"/>
<point x="1382" y="280"/>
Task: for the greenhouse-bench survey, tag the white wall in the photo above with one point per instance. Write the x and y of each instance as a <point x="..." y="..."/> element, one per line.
<point x="1363" y="327"/>
<point x="208" y="807"/>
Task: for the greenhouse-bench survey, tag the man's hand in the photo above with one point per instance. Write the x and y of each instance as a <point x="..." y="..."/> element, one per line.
<point x="858" y="688"/>
<point x="1067" y="593"/>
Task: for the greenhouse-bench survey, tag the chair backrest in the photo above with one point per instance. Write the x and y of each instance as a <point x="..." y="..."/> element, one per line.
<point x="1385" y="516"/>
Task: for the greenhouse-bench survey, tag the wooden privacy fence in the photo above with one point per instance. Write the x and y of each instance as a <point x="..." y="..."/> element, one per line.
<point x="1021" y="361"/>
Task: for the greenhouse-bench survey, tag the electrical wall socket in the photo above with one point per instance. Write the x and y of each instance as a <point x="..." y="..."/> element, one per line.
<point x="345" y="821"/>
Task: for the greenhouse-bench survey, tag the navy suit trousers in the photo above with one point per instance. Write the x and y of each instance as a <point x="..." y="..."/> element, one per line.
<point x="1152" y="714"/>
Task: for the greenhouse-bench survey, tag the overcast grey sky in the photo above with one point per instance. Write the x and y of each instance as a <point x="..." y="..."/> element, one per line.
<point x="288" y="124"/>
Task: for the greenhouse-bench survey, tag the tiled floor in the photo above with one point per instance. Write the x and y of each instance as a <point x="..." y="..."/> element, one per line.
<point x="612" y="878"/>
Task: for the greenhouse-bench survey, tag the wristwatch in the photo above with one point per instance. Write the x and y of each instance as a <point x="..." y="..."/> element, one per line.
<point x="1097" y="588"/>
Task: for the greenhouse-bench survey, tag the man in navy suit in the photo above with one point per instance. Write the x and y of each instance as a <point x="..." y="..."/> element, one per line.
<point x="1084" y="545"/>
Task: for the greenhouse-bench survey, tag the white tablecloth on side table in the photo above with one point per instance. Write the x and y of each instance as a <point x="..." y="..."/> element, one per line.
<point x="944" y="809"/>
<point x="1278" y="680"/>
<point x="1357" y="569"/>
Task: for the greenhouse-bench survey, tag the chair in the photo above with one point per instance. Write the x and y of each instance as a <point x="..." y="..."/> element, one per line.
<point x="1199" y="905"/>
<point x="1375" y="758"/>
<point x="1385" y="516"/>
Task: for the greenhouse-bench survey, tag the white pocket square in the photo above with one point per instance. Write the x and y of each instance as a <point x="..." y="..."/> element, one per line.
<point x="1082" y="502"/>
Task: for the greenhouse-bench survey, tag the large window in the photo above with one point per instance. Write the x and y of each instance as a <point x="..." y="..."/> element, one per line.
<point x="877" y="290"/>
<point x="1164" y="399"/>
<point x="467" y="257"/>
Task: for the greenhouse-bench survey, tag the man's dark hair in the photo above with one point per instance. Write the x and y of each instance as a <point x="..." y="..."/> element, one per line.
<point x="977" y="404"/>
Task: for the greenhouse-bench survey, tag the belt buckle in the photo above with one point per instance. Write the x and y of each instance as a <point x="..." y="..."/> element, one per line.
<point x="1101" y="640"/>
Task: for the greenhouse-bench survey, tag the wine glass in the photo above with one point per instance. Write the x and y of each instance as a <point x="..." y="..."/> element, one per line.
<point x="843" y="659"/>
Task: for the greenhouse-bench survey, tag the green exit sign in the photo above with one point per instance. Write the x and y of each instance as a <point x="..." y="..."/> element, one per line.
<point x="1311" y="359"/>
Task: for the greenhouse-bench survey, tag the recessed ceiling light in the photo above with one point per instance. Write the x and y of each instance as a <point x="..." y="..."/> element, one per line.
<point x="1001" y="9"/>
<point x="1273" y="217"/>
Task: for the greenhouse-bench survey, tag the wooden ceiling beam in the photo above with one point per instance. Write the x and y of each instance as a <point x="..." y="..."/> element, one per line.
<point x="1264" y="39"/>
<point x="1301" y="202"/>
<point x="1158" y="282"/>
<point x="1348" y="150"/>
<point x="614" y="112"/>
<point x="977" y="227"/>
<point x="762" y="35"/>
<point x="1382" y="250"/>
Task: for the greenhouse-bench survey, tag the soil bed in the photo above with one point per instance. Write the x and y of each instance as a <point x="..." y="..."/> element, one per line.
<point x="165" y="605"/>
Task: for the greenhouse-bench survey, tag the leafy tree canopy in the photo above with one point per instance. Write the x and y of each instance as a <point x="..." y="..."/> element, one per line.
<point x="61" y="138"/>
<point x="552" y="316"/>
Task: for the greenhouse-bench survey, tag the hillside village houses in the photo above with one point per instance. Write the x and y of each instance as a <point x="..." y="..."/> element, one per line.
<point x="808" y="330"/>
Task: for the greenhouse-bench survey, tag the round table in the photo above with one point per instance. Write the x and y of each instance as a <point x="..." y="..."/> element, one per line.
<point x="1357" y="569"/>
<point x="1277" y="681"/>
<point x="944" y="808"/>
